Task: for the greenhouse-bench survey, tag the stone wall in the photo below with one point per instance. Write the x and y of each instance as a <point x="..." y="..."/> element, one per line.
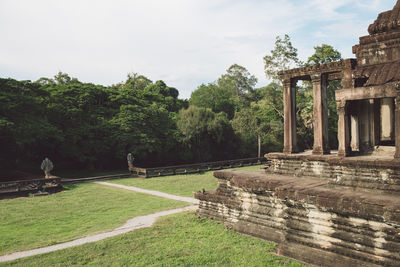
<point x="310" y="219"/>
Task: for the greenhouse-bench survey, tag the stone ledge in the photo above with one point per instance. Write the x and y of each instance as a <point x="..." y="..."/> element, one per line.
<point x="368" y="204"/>
<point x="362" y="161"/>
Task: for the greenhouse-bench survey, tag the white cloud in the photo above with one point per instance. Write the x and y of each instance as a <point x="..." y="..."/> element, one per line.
<point x="183" y="42"/>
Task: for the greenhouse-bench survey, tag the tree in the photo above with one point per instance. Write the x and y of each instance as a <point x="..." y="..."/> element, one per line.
<point x="209" y="135"/>
<point x="324" y="54"/>
<point x="25" y="131"/>
<point x="218" y="99"/>
<point x="283" y="57"/>
<point x="247" y="125"/>
<point x="135" y="81"/>
<point x="239" y="80"/>
<point x="63" y="78"/>
<point x="259" y="124"/>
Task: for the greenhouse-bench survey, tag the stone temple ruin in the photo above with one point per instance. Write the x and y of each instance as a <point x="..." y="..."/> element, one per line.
<point x="330" y="208"/>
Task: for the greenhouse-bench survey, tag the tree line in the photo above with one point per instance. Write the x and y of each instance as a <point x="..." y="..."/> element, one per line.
<point x="83" y="125"/>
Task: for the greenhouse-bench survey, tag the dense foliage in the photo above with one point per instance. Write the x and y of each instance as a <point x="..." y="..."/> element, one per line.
<point x="83" y="125"/>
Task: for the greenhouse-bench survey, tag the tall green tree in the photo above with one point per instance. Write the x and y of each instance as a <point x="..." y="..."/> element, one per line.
<point x="283" y="57"/>
<point x="261" y="123"/>
<point x="209" y="135"/>
<point x="134" y="81"/>
<point x="324" y="54"/>
<point x="25" y="131"/>
<point x="239" y="80"/>
<point x="219" y="99"/>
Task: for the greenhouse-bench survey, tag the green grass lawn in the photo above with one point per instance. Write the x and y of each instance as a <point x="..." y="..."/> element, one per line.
<point x="33" y="222"/>
<point x="182" y="185"/>
<point x="177" y="240"/>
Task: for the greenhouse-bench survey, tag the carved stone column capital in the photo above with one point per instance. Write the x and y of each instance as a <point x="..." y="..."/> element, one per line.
<point x="286" y="82"/>
<point x="341" y="106"/>
<point x="316" y="77"/>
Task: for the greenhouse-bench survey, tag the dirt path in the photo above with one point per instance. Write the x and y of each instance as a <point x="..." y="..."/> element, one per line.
<point x="132" y="224"/>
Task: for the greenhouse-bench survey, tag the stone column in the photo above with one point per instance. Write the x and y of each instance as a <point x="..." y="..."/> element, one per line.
<point x="290" y="130"/>
<point x="343" y="129"/>
<point x="397" y="122"/>
<point x="355" y="132"/>
<point x="387" y="131"/>
<point x="321" y="141"/>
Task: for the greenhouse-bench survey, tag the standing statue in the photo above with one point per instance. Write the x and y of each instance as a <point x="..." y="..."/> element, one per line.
<point x="130" y="160"/>
<point x="47" y="166"/>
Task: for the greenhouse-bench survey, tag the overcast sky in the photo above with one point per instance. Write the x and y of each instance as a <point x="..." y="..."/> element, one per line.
<point x="183" y="42"/>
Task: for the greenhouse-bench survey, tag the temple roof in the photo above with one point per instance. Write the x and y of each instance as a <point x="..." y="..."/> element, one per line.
<point x="386" y="21"/>
<point x="379" y="74"/>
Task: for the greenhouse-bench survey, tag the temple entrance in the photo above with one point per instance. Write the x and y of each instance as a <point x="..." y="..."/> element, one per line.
<point x="325" y="82"/>
<point x="332" y="113"/>
<point x="305" y="113"/>
<point x="371" y="124"/>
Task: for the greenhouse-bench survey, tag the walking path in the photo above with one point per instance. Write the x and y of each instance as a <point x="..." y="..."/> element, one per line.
<point x="152" y="192"/>
<point x="132" y="224"/>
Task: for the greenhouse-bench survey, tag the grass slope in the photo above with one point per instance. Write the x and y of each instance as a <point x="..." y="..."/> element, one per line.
<point x="182" y="185"/>
<point x="27" y="223"/>
<point x="177" y="240"/>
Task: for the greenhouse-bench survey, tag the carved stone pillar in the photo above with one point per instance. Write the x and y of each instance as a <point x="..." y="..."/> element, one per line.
<point x="397" y="122"/>
<point x="321" y="141"/>
<point x="355" y="132"/>
<point x="290" y="130"/>
<point x="387" y="118"/>
<point x="347" y="72"/>
<point x="343" y="129"/>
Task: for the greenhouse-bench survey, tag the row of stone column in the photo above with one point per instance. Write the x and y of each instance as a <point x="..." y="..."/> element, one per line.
<point x="344" y="131"/>
<point x="321" y="141"/>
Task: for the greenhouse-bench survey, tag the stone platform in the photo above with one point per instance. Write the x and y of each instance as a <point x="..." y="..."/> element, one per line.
<point x="21" y="188"/>
<point x="323" y="210"/>
<point x="378" y="170"/>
